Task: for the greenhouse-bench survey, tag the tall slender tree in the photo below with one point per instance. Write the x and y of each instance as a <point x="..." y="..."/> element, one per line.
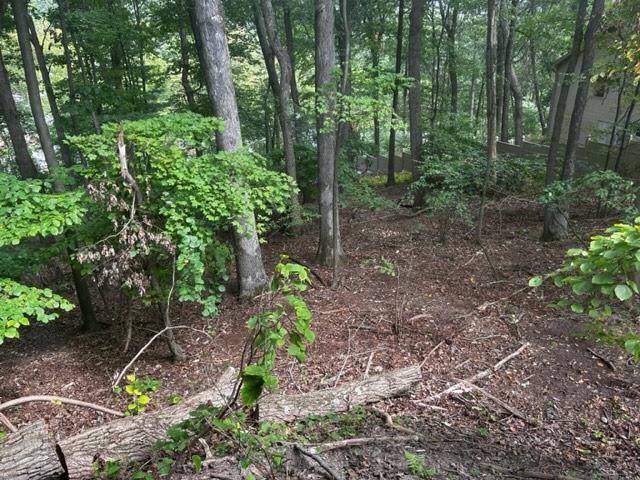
<point x="325" y="63"/>
<point x="391" y="166"/>
<point x="214" y="56"/>
<point x="414" y="64"/>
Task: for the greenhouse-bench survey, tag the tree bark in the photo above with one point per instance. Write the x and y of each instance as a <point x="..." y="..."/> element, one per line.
<point x="22" y="29"/>
<point x="625" y="127"/>
<point x="281" y="89"/>
<point x="509" y="32"/>
<point x="518" y="120"/>
<point x="555" y="223"/>
<point x="492" y="41"/>
<point x="616" y="118"/>
<point x="214" y="55"/>
<point x="26" y="168"/>
<point x="325" y="62"/>
<point x="391" y="165"/>
<point x="414" y="62"/>
<point x="29" y="454"/>
<point x="295" y="96"/>
<point x="289" y="408"/>
<point x="131" y="439"/>
<point x="452" y="26"/>
<point x="500" y="56"/>
<point x="58" y="123"/>
<point x="536" y="87"/>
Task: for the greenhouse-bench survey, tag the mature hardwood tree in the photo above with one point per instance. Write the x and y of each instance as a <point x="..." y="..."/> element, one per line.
<point x="451" y="27"/>
<point x="391" y="166"/>
<point x="414" y="63"/>
<point x="214" y="56"/>
<point x="281" y="90"/>
<point x="295" y="95"/>
<point x="325" y="63"/>
<point x="22" y="28"/>
<point x="554" y="222"/>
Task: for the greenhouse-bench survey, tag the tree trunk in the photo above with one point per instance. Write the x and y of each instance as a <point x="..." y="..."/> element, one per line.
<point x="509" y="32"/>
<point x="289" y="408"/>
<point x="22" y="29"/>
<point x="89" y="321"/>
<point x="185" y="78"/>
<point x="295" y="96"/>
<point x="65" y="153"/>
<point x="414" y="62"/>
<point x="500" y="56"/>
<point x="536" y="87"/>
<point x="625" y="127"/>
<point x="214" y="55"/>
<point x="555" y="222"/>
<point x="518" y="120"/>
<point x="492" y="41"/>
<point x="281" y="90"/>
<point x="325" y="63"/>
<point x="9" y="112"/>
<point x="616" y="118"/>
<point x="29" y="454"/>
<point x="452" y="27"/>
<point x="391" y="166"/>
<point x="131" y="439"/>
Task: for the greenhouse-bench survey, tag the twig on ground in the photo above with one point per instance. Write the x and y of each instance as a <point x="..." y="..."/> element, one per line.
<point x="484" y="373"/>
<point x="523" y="473"/>
<point x="357" y="442"/>
<point x="7" y="423"/>
<point x="485" y="305"/>
<point x="388" y="421"/>
<point x="368" y="367"/>
<point x="512" y="410"/>
<point x="606" y="361"/>
<point x="140" y="352"/>
<point x="330" y="471"/>
<point x="54" y="398"/>
<point x="431" y="352"/>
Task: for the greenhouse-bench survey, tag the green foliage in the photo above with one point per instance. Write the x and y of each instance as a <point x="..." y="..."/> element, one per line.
<point x="403" y="176"/>
<point x="416" y="466"/>
<point x="333" y="426"/>
<point x="19" y="302"/>
<point x="607" y="189"/>
<point x="601" y="278"/>
<point x="287" y="322"/>
<point x="138" y="389"/>
<point x="192" y="194"/>
<point x="382" y="265"/>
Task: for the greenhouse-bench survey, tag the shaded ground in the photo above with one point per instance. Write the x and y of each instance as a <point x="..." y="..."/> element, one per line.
<point x="585" y="417"/>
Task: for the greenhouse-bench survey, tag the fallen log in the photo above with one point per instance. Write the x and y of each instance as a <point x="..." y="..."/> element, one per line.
<point x="287" y="408"/>
<point x="29" y="454"/>
<point x="130" y="439"/>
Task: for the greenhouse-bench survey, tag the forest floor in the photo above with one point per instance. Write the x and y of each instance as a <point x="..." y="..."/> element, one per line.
<point x="584" y="412"/>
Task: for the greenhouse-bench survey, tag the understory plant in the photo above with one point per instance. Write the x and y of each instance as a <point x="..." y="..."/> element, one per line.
<point x="172" y="200"/>
<point x="601" y="280"/>
<point x="31" y="214"/>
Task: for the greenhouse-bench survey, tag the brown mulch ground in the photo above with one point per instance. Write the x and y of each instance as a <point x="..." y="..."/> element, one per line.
<point x="587" y="417"/>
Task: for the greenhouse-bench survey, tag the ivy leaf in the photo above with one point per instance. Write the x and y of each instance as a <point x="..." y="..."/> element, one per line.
<point x="623" y="292"/>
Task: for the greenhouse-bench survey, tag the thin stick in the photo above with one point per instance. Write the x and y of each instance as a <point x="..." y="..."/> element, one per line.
<point x="137" y="355"/>
<point x="357" y="442"/>
<point x="433" y="350"/>
<point x="366" y="370"/>
<point x="8" y="424"/>
<point x="484" y="373"/>
<point x="54" y="398"/>
<point x="605" y="360"/>
<point x="388" y="421"/>
<point x="513" y="411"/>
<point x="332" y="473"/>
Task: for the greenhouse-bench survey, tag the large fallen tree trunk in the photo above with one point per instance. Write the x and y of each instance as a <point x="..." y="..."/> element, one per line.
<point x="286" y="408"/>
<point x="29" y="454"/>
<point x="130" y="439"/>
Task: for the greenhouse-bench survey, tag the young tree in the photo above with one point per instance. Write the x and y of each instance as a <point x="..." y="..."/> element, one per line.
<point x="216" y="63"/>
<point x="414" y="63"/>
<point x="325" y="63"/>
<point x="391" y="166"/>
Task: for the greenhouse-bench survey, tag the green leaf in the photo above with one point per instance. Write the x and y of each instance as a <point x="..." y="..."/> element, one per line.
<point x="577" y="308"/>
<point x="196" y="460"/>
<point x="535" y="281"/>
<point x="623" y="292"/>
<point x="602" y="279"/>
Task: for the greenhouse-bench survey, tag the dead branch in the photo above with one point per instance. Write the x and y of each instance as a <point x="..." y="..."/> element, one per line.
<point x="53" y="398"/>
<point x="8" y="424"/>
<point x="388" y="421"/>
<point x="358" y="442"/>
<point x="606" y="361"/>
<point x="431" y="352"/>
<point x="327" y="468"/>
<point x="512" y="410"/>
<point x="456" y="388"/>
